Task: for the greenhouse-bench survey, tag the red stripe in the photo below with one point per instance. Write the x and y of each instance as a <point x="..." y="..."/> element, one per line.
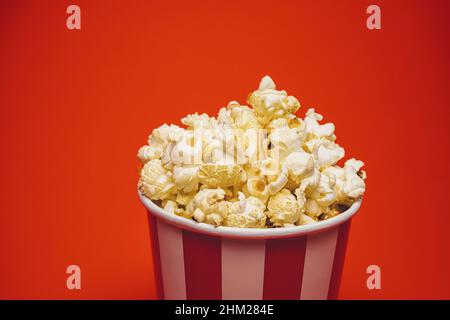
<point x="283" y="270"/>
<point x="338" y="263"/>
<point x="156" y="256"/>
<point x="203" y="266"/>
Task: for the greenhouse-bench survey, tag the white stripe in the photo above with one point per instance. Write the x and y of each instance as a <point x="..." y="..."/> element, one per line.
<point x="172" y="261"/>
<point x="319" y="256"/>
<point x="243" y="269"/>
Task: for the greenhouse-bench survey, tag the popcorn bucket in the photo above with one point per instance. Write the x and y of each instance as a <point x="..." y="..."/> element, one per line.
<point x="199" y="261"/>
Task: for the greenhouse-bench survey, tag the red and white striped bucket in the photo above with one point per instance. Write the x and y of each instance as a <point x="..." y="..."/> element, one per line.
<point x="198" y="261"/>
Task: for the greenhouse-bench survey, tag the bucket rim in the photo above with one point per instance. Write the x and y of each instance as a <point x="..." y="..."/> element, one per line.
<point x="247" y="233"/>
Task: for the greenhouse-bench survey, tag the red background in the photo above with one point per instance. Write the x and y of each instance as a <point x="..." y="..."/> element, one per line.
<point x="75" y="106"/>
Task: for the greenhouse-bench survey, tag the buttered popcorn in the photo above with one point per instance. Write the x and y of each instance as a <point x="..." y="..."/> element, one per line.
<point x="256" y="166"/>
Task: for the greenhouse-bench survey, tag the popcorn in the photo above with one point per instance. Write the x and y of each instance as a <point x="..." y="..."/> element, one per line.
<point x="278" y="182"/>
<point x="270" y="103"/>
<point x="299" y="164"/>
<point x="156" y="182"/>
<point x="186" y="149"/>
<point x="310" y="182"/>
<point x="147" y="153"/>
<point x="267" y="177"/>
<point x="163" y="135"/>
<point x="324" y="193"/>
<point x="222" y="145"/>
<point x="185" y="178"/>
<point x="349" y="180"/>
<point x="170" y="206"/>
<point x="305" y="219"/>
<point x="212" y="150"/>
<point x="269" y="167"/>
<point x="158" y="141"/>
<point x="238" y="117"/>
<point x="314" y="129"/>
<point x="284" y="142"/>
<point x="301" y="197"/>
<point x="277" y="124"/>
<point x="208" y="206"/>
<point x="312" y="208"/>
<point x="257" y="187"/>
<point x="255" y="145"/>
<point x="246" y="213"/>
<point x="354" y="185"/>
<point x="183" y="198"/>
<point x="196" y="121"/>
<point x="251" y="167"/>
<point x="216" y="175"/>
<point x="283" y="208"/>
<point x="325" y="152"/>
<point x="293" y="121"/>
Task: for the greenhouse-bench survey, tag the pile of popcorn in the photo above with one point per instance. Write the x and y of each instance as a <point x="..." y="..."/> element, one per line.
<point x="258" y="167"/>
